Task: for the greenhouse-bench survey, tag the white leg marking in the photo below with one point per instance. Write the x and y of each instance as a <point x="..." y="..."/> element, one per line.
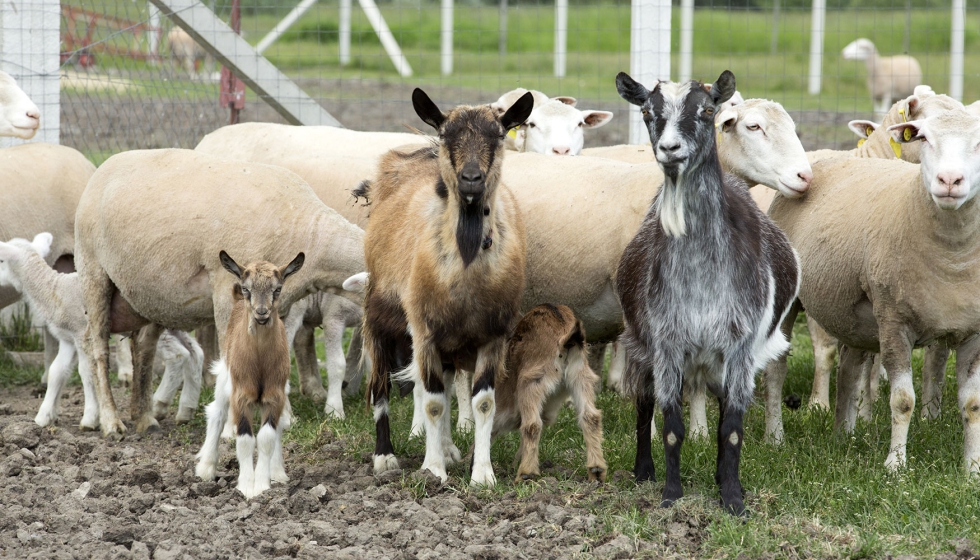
<point x="245" y="449"/>
<point x="436" y="412"/>
<point x="418" y="413"/>
<point x="266" y="441"/>
<point x="278" y="468"/>
<point x="217" y="413"/>
<point x="484" y="408"/>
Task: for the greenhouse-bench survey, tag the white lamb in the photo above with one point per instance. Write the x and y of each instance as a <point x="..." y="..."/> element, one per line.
<point x="889" y="77"/>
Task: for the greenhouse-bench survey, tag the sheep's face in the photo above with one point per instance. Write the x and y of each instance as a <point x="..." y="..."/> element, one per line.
<point x="759" y="140"/>
<point x="950" y="155"/>
<point x="471" y="149"/>
<point x="556" y="128"/>
<point x="13" y="253"/>
<point x="679" y="117"/>
<point x="858" y="49"/>
<point x="19" y="116"/>
<point x="260" y="285"/>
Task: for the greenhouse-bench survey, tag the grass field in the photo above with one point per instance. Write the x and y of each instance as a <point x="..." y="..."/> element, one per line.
<point x="821" y="494"/>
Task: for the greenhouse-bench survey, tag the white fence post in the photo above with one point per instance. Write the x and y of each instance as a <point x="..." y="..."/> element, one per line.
<point x="284" y="25"/>
<point x="30" y="46"/>
<point x="816" y="45"/>
<point x="447" y="37"/>
<point x="343" y="33"/>
<point x="561" y="37"/>
<point x="956" y="50"/>
<point x="687" y="40"/>
<point x="649" y="54"/>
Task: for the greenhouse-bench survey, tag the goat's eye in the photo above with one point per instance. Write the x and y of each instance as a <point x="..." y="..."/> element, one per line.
<point x="246" y="292"/>
<point x="645" y="112"/>
<point x="709" y="111"/>
<point x="277" y="292"/>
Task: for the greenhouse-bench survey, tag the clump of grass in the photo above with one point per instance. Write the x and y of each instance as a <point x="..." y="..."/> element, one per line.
<point x="20" y="335"/>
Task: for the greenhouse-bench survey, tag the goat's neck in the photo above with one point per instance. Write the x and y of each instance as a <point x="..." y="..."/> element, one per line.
<point x="691" y="200"/>
<point x="456" y="217"/>
<point x="268" y="333"/>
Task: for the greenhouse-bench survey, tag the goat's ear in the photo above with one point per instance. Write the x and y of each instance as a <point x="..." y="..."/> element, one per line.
<point x="904" y="133"/>
<point x="518" y="112"/>
<point x="294" y="266"/>
<point x="862" y="128"/>
<point x="42" y="243"/>
<point x="570" y="101"/>
<point x="595" y="119"/>
<point x="631" y="90"/>
<point x="427" y="110"/>
<point x="723" y="88"/>
<point x="230" y="264"/>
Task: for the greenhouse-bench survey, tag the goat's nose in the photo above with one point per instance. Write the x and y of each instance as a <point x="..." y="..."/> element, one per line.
<point x="950" y="179"/>
<point x="561" y="150"/>
<point x="472" y="175"/>
<point x="672" y="146"/>
<point x="805" y="176"/>
<point x="262" y="311"/>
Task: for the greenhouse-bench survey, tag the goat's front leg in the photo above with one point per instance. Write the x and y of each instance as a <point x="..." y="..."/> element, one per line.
<point x="435" y="405"/>
<point x="673" y="438"/>
<point x="730" y="436"/>
<point x="896" y="357"/>
<point x="146" y="348"/>
<point x="968" y="382"/>
<point x="643" y="468"/>
<point x="489" y="363"/>
<point x="583" y="381"/>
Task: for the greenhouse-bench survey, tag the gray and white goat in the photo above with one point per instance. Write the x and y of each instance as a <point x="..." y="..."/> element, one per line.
<point x="704" y="285"/>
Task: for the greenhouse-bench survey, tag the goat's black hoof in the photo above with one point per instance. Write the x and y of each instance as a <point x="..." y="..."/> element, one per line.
<point x="670" y="496"/>
<point x="644" y="474"/>
<point x="735" y="507"/>
<point x="793" y="401"/>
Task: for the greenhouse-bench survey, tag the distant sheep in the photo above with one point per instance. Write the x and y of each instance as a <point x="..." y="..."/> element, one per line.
<point x="889" y="77"/>
<point x="187" y="52"/>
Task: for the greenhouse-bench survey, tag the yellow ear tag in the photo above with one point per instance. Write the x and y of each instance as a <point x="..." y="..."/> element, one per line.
<point x="512" y="133"/>
<point x="869" y="131"/>
<point x="861" y="141"/>
<point x="896" y="147"/>
<point x="902" y="112"/>
<point x="907" y="134"/>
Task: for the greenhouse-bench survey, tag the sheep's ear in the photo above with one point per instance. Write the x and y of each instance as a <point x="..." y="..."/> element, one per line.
<point x="42" y="243"/>
<point x="595" y="119"/>
<point x="293" y="267"/>
<point x="570" y="101"/>
<point x="726" y="119"/>
<point x="7" y="251"/>
<point x="427" y="110"/>
<point x="631" y="90"/>
<point x="862" y="128"/>
<point x="518" y="112"/>
<point x="230" y="265"/>
<point x="904" y="133"/>
<point x="922" y="90"/>
<point x="357" y="282"/>
<point x="724" y="88"/>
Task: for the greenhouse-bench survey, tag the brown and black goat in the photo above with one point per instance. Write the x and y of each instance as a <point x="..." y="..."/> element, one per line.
<point x="445" y="248"/>
<point x="253" y="371"/>
<point x="547" y="363"/>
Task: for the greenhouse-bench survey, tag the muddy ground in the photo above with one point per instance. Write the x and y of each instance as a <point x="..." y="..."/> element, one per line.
<point x="72" y="494"/>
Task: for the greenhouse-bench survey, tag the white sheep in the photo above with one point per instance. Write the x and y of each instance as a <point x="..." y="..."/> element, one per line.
<point x="555" y="128"/>
<point x="889" y="251"/>
<point x="187" y="53"/>
<point x="889" y="77"/>
<point x="56" y="300"/>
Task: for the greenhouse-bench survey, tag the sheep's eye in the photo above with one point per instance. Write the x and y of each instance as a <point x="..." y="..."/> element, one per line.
<point x="753" y="127"/>
<point x="531" y="125"/>
<point x="581" y="124"/>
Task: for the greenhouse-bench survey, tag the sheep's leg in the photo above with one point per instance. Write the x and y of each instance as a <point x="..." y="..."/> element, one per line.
<point x="933" y="380"/>
<point x="489" y="363"/>
<point x="824" y="351"/>
<point x="852" y="372"/>
<point x="449" y="449"/>
<point x="139" y="407"/>
<point x="877" y="373"/>
<point x="217" y="413"/>
<point x="896" y="356"/>
<point x="643" y="466"/>
<point x="774" y="379"/>
<point x="98" y="295"/>
<point x="673" y="438"/>
<point x="58" y="375"/>
<point x="864" y="399"/>
<point x="582" y="381"/>
<point x="124" y="361"/>
<point x="597" y="356"/>
<point x="697" y="403"/>
<point x="207" y="337"/>
<point x="464" y="387"/>
<point x="730" y="435"/>
<point x="355" y="367"/>
<point x="51" y="349"/>
<point x="310" y="382"/>
<point x="333" y="344"/>
<point x="174" y="355"/>
<point x="190" y="393"/>
<point x="617" y="366"/>
<point x="968" y="381"/>
<point x="90" y="416"/>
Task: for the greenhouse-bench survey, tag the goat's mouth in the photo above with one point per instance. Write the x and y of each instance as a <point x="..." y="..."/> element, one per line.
<point x="471" y="196"/>
<point x="262" y="321"/>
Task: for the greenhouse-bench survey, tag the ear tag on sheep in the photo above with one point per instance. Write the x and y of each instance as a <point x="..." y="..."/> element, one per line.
<point x="512" y="133"/>
<point x="861" y="141"/>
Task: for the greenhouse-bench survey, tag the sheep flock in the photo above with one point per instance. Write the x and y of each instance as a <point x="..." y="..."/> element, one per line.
<point x="486" y="257"/>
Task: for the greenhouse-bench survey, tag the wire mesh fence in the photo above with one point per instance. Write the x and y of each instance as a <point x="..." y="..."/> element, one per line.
<point x="127" y="83"/>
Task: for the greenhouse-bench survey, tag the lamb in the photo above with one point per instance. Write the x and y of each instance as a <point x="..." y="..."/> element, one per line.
<point x="546" y="364"/>
<point x="187" y="52"/>
<point x="555" y="128"/>
<point x="445" y="251"/>
<point x="889" y="77"/>
<point x="704" y="285"/>
<point x="149" y="228"/>
<point x="56" y="299"/>
<point x="900" y="276"/>
<point x="253" y="370"/>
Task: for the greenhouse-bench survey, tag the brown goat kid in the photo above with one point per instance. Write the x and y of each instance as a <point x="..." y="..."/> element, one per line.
<point x="546" y="363"/>
<point x="445" y="248"/>
<point x="254" y="371"/>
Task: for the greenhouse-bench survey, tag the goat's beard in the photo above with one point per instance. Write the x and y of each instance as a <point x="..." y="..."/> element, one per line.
<point x="469" y="230"/>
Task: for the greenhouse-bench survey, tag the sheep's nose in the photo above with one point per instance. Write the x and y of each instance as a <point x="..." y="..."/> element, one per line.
<point x="561" y="150"/>
<point x="950" y="179"/>
<point x="805" y="176"/>
<point x="34" y="114"/>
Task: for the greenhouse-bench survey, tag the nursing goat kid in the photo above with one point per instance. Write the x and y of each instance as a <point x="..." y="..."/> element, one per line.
<point x="445" y="249"/>
<point x="254" y="370"/>
<point x="704" y="284"/>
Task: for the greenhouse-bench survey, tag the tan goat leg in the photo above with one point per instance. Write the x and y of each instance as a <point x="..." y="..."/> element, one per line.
<point x="530" y="399"/>
<point x="143" y="353"/>
<point x="582" y="382"/>
<point x="933" y="380"/>
<point x="824" y="352"/>
<point x="968" y="382"/>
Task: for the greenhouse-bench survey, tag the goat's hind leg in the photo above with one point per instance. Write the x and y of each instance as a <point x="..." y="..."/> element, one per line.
<point x="730" y="435"/>
<point x="382" y="351"/>
<point x="583" y="381"/>
<point x="245" y="450"/>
